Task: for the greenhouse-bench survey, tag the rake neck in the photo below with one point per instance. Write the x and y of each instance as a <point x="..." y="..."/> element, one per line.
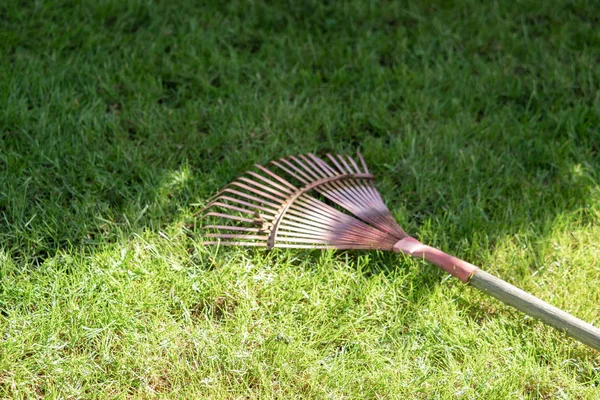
<point x="452" y="265"/>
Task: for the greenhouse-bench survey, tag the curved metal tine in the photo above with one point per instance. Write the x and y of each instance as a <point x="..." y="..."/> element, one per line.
<point x="305" y="180"/>
<point x="227" y="216"/>
<point x="324" y="209"/>
<point x="235" y="236"/>
<point x="317" y="172"/>
<point x="336" y="217"/>
<point x="345" y="188"/>
<point x="353" y="164"/>
<point x="230" y="207"/>
<point x="245" y="203"/>
<point x="337" y="165"/>
<point x="347" y="167"/>
<point x="277" y="177"/>
<point x="250" y="197"/>
<point x="338" y="186"/>
<point x="285" y="169"/>
<point x="332" y="185"/>
<point x="362" y="161"/>
<point x="286" y="234"/>
<point x="313" y="169"/>
<point x="225" y="243"/>
<point x="311" y="211"/>
<point x="270" y="182"/>
<point x="364" y="164"/>
<point x="255" y="191"/>
<point x="263" y="187"/>
<point x="233" y="228"/>
<point x="347" y="171"/>
<point x="326" y="168"/>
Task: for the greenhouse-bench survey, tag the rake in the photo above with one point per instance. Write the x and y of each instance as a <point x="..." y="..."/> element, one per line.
<point x="307" y="202"/>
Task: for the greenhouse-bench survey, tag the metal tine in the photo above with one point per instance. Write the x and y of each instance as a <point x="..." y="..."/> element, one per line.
<point x="227" y="216"/>
<point x="302" y="240"/>
<point x="359" y="200"/>
<point x="336" y="185"/>
<point x="249" y="196"/>
<point x="284" y="235"/>
<point x="294" y="227"/>
<point x="362" y="161"/>
<point x="322" y="247"/>
<point x="319" y="173"/>
<point x="360" y="185"/>
<point x="356" y="239"/>
<point x="300" y="229"/>
<point x="302" y="208"/>
<point x="234" y="208"/>
<point x="305" y="213"/>
<point x="339" y="217"/>
<point x="223" y="243"/>
<point x="337" y="165"/>
<point x="255" y="191"/>
<point x="291" y="173"/>
<point x="348" y="234"/>
<point x="344" y="189"/>
<point x="310" y="216"/>
<point x="235" y="236"/>
<point x="306" y="246"/>
<point x="314" y="216"/>
<point x="307" y="165"/>
<point x="341" y="158"/>
<point x="313" y="204"/>
<point x="228" y="189"/>
<point x="350" y="225"/>
<point x="323" y="165"/>
<point x="277" y="177"/>
<point x="264" y="187"/>
<point x="304" y="221"/>
<point x="345" y="219"/>
<point x="348" y="166"/>
<point x="335" y="216"/>
<point x="233" y="228"/>
<point x="307" y="169"/>
<point x="343" y="184"/>
<point x="291" y="220"/>
<point x="332" y="191"/>
<point x="356" y="169"/>
<point x="354" y="164"/>
<point x="245" y="203"/>
<point x="331" y="212"/>
<point x="284" y="189"/>
<point x="374" y="191"/>
<point x="237" y="183"/>
<point x="364" y="164"/>
<point x="306" y="179"/>
<point x="367" y="190"/>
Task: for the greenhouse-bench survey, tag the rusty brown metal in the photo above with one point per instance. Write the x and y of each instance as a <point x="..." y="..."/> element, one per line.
<point x="302" y="201"/>
<point x="290" y="200"/>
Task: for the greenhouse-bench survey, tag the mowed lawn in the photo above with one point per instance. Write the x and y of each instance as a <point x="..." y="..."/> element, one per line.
<point x="119" y="119"/>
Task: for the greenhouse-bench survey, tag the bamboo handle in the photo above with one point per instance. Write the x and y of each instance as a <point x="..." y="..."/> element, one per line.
<point x="505" y="292"/>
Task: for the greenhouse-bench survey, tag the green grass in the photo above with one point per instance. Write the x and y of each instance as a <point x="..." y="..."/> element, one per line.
<point x="118" y="119"/>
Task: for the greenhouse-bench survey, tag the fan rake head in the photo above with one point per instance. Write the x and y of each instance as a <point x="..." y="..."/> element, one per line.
<point x="302" y="202"/>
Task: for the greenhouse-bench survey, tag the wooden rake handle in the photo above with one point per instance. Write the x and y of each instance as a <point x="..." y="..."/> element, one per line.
<point x="503" y="291"/>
